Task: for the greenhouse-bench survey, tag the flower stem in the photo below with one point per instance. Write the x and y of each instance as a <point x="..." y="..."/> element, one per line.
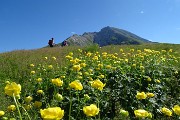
<point x="26" y="113"/>
<point x="70" y="107"/>
<point x="20" y="117"/>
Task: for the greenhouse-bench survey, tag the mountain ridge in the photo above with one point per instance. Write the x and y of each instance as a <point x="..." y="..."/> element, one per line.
<point x="106" y="36"/>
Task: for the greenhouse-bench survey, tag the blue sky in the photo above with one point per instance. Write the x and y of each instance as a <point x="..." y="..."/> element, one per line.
<point x="29" y="24"/>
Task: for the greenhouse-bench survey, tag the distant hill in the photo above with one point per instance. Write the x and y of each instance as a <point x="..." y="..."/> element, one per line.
<point x="106" y="36"/>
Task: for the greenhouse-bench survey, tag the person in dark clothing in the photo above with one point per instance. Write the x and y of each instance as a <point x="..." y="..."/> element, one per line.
<point x="64" y="43"/>
<point x="51" y="42"/>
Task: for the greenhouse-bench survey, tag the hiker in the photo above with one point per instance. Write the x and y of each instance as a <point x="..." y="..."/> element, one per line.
<point x="51" y="42"/>
<point x="64" y="43"/>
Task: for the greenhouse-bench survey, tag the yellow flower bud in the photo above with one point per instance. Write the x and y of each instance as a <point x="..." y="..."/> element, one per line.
<point x="28" y="99"/>
<point x="39" y="80"/>
<point x="31" y="65"/>
<point x="37" y="104"/>
<point x="59" y="97"/>
<point x="124" y="112"/>
<point x="11" y="108"/>
<point x="150" y="95"/>
<point x="33" y="72"/>
<point x="54" y="58"/>
<point x="40" y="92"/>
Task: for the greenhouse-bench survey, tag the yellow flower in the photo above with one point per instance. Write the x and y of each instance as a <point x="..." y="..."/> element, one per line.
<point x="27" y="107"/>
<point x="63" y="76"/>
<point x="31" y="65"/>
<point x="166" y="111"/>
<point x="28" y="99"/>
<point x="37" y="104"/>
<point x="141" y="95"/>
<point x="40" y="92"/>
<point x="18" y="96"/>
<point x="83" y="64"/>
<point x="13" y="88"/>
<point x="76" y="67"/>
<point x="79" y="73"/>
<point x="86" y="73"/>
<point x="69" y="57"/>
<point x="6" y="118"/>
<point x="139" y="51"/>
<point x="131" y="50"/>
<point x="50" y="66"/>
<point x="101" y="76"/>
<point x="176" y="109"/>
<point x="90" y="78"/>
<point x="90" y="70"/>
<point x="126" y="60"/>
<point x="54" y="58"/>
<point x="170" y="50"/>
<point x="95" y="58"/>
<point x="80" y="50"/>
<point x="158" y="81"/>
<point x="33" y="72"/>
<point x="54" y="113"/>
<point x="2" y="113"/>
<point x="11" y="108"/>
<point x="100" y="65"/>
<point x="148" y="79"/>
<point x="39" y="80"/>
<point x="116" y="54"/>
<point x="88" y="54"/>
<point x="104" y="53"/>
<point x="71" y="53"/>
<point x="98" y="84"/>
<point x="140" y="113"/>
<point x="76" y="85"/>
<point x="7" y="82"/>
<point x="91" y="110"/>
<point x="124" y="112"/>
<point x="58" y="82"/>
<point x="121" y="50"/>
<point x="46" y="58"/>
<point x="142" y="67"/>
<point x="176" y="72"/>
<point x="79" y="77"/>
<point x="150" y="115"/>
<point x="134" y="65"/>
<point x="108" y="66"/>
<point x="150" y="95"/>
<point x="163" y="51"/>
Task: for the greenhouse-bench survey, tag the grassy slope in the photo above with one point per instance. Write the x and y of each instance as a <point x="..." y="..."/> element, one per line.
<point x="15" y="65"/>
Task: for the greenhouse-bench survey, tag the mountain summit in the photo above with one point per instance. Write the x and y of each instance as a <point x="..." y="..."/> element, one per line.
<point x="106" y="36"/>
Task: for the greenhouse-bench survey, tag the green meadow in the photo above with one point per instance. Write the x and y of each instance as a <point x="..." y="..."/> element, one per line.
<point x="115" y="82"/>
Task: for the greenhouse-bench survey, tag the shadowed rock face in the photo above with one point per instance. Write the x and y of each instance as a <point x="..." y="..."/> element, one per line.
<point x="106" y="36"/>
<point x="115" y="36"/>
